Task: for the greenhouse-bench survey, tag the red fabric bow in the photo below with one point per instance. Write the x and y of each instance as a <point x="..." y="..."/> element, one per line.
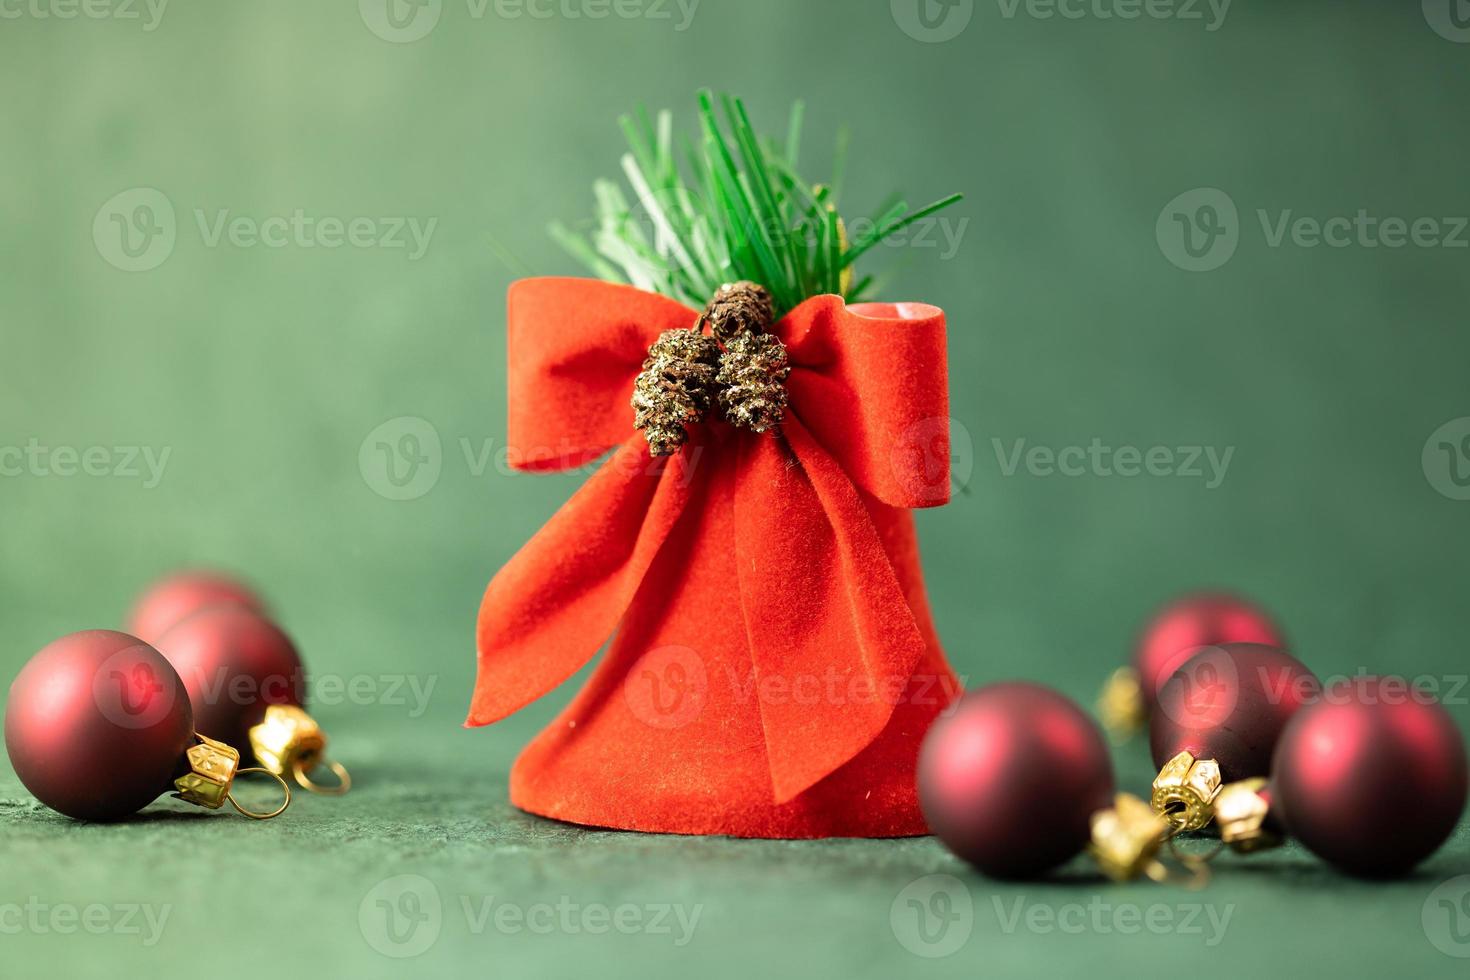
<point x="866" y="430"/>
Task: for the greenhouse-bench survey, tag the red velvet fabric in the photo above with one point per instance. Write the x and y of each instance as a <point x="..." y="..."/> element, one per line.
<point x="773" y="664"/>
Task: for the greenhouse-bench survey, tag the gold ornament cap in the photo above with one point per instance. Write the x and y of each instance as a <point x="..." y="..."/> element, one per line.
<point x="289" y="741"/>
<point x="1120" y="704"/>
<point x="1126" y="839"/>
<point x="213" y="767"/>
<point x="1241" y="812"/>
<point x="1184" y="791"/>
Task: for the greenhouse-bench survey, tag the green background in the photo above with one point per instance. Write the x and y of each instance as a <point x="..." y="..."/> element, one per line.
<point x="262" y="371"/>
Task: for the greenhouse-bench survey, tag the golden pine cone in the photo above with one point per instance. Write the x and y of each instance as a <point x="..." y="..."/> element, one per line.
<point x="737" y="308"/>
<point x="753" y="370"/>
<point x="675" y="388"/>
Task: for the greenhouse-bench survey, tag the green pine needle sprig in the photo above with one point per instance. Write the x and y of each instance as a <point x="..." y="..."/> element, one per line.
<point x="723" y="206"/>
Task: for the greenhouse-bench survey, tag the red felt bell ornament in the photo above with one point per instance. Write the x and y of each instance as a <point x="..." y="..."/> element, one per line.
<point x="1016" y="780"/>
<point x="1218" y="719"/>
<point x="178" y="596"/>
<point x="1371" y="778"/>
<point x="1171" y="637"/>
<point x="246" y="682"/>
<point x="98" y="725"/>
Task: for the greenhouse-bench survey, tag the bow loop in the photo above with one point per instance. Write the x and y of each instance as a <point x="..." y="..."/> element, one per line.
<point x="546" y="613"/>
<point x="575" y="347"/>
<point x="870" y="382"/>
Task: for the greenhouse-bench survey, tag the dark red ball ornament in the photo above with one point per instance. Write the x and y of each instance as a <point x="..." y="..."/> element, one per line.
<point x="1372" y="778"/>
<point x="246" y="682"/>
<point x="1181" y="628"/>
<point x="1010" y="779"/>
<point x="172" y="599"/>
<point x="235" y="664"/>
<point x="1175" y="634"/>
<point x="1218" y="720"/>
<point x="98" y="725"/>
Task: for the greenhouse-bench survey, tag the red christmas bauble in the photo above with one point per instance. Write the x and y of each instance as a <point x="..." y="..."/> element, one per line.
<point x="234" y="664"/>
<point x="1009" y="779"/>
<point x="1185" y="625"/>
<point x="172" y="599"/>
<point x="1230" y="703"/>
<point x="98" y="725"/>
<point x="1372" y="778"/>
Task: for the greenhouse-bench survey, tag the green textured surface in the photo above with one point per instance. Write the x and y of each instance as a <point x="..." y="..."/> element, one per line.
<point x="263" y="370"/>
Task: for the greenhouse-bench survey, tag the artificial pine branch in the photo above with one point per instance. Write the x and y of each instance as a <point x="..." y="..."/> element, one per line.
<point x="737" y="209"/>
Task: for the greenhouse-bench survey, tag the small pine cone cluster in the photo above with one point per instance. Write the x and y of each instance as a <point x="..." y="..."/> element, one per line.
<point x="753" y="370"/>
<point x="739" y="308"/>
<point x="674" y="389"/>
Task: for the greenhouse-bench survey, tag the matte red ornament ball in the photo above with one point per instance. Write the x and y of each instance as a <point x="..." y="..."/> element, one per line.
<point x="1230" y="703"/>
<point x="174" y="598"/>
<point x="1011" y="776"/>
<point x="1372" y="778"/>
<point x="234" y="664"/>
<point x="1185" y="625"/>
<point x="98" y="725"/>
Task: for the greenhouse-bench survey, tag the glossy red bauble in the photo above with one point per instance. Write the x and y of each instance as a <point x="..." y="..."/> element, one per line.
<point x="98" y="725"/>
<point x="1230" y="703"/>
<point x="172" y="599"/>
<point x="1184" y="626"/>
<point x="234" y="664"/>
<point x="1372" y="778"/>
<point x="1011" y="776"/>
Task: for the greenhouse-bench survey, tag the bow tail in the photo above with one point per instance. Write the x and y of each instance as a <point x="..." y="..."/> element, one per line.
<point x="549" y="610"/>
<point x="825" y="615"/>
